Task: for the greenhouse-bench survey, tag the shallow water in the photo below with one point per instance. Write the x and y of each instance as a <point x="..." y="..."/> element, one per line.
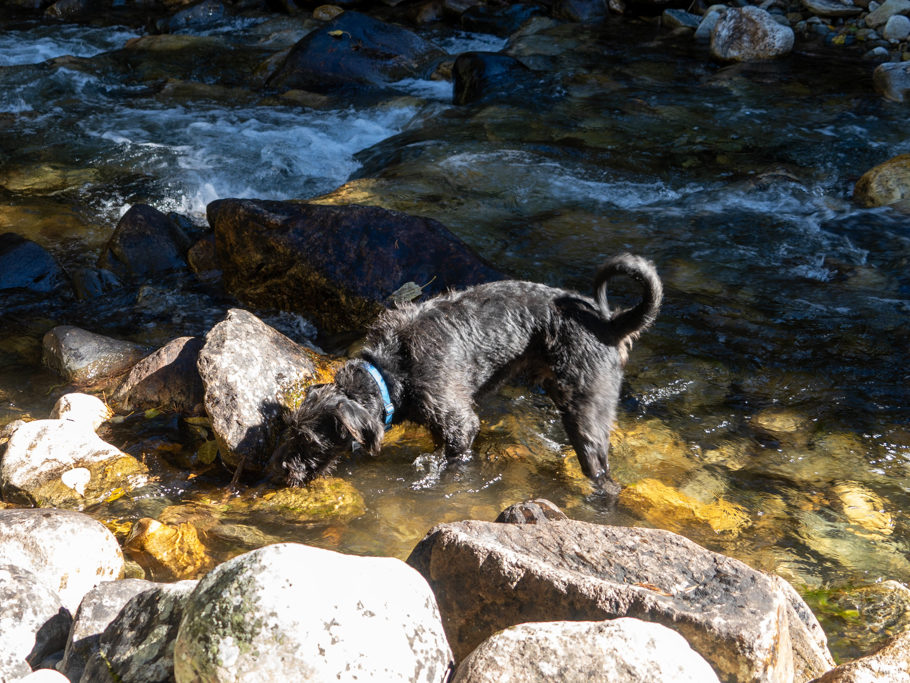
<point x="775" y="379"/>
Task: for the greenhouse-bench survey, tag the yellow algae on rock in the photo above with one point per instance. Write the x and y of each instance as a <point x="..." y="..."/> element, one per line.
<point x="167" y="552"/>
<point x="864" y="509"/>
<point x="667" y="508"/>
<point x="323" y="499"/>
<point x="649" y="447"/>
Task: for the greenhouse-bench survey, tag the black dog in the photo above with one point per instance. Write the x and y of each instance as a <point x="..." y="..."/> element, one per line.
<point x="428" y="362"/>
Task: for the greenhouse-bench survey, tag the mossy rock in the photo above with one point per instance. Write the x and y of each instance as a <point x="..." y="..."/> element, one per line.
<point x="92" y="483"/>
<point x="322" y="500"/>
<point x="668" y="508"/>
<point x="887" y="183"/>
<point x="167" y="552"/>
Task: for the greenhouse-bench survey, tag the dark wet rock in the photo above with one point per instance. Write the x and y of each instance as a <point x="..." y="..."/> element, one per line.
<point x="832" y="8"/>
<point x="73" y="10"/>
<point x="27" y="265"/>
<point x="83" y="357"/>
<point x="91" y="283"/>
<point x="203" y="260"/>
<point x="745" y="623"/>
<point x="196" y="16"/>
<point x="892" y="81"/>
<point x="749" y="34"/>
<point x="539" y="511"/>
<point x="247" y="368"/>
<point x="69" y="552"/>
<point x="33" y="621"/>
<point x="327" y="616"/>
<point x="167" y="378"/>
<point x="354" y="50"/>
<point x="145" y="242"/>
<point x="501" y="22"/>
<point x="337" y="265"/>
<point x="97" y="610"/>
<point x="890" y="663"/>
<point x="580" y="10"/>
<point x="615" y="651"/>
<point x="680" y="18"/>
<point x="138" y="644"/>
<point x="887" y="183"/>
<point x="481" y="76"/>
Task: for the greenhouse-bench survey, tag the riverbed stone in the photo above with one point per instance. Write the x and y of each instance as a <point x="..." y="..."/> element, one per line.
<point x="167" y="552"/>
<point x="322" y="614"/>
<point x="327" y="499"/>
<point x="84" y="409"/>
<point x="737" y="618"/>
<point x="890" y="663"/>
<point x="26" y="265"/>
<point x="889" y="182"/>
<point x="354" y="50"/>
<point x="337" y="265"/>
<point x="97" y="610"/>
<point x="33" y="621"/>
<point x="832" y="8"/>
<point x="84" y="357"/>
<point x="892" y="81"/>
<point x="167" y="378"/>
<point x="138" y="645"/>
<point x="745" y="34"/>
<point x="896" y="28"/>
<point x="247" y="368"/>
<point x="881" y="14"/>
<point x="68" y="551"/>
<point x="482" y="76"/>
<point x="145" y="242"/>
<point x="615" y="651"/>
<point x="537" y="511"/>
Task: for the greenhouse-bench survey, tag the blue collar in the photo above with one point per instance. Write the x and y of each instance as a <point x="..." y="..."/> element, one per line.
<point x="388" y="406"/>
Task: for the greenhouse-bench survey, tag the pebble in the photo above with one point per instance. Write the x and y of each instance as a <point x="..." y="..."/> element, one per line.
<point x="896" y="28"/>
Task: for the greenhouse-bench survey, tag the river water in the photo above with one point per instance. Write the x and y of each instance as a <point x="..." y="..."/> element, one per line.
<point x="775" y="380"/>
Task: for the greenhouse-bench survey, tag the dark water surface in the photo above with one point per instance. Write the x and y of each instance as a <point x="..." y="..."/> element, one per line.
<point x="774" y="383"/>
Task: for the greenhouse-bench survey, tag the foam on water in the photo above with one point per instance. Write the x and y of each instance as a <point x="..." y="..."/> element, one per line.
<point x="46" y="42"/>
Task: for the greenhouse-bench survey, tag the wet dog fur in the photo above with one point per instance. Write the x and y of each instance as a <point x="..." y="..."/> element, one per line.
<point x="438" y="356"/>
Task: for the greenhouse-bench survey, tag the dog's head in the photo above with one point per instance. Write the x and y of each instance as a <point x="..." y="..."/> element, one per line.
<point x="319" y="432"/>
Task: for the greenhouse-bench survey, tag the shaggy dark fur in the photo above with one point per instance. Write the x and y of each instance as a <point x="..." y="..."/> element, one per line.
<point x="437" y="357"/>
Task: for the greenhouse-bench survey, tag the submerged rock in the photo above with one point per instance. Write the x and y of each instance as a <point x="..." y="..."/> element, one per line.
<point x="322" y="500"/>
<point x="318" y="613"/>
<point x="615" y="651"/>
<point x="167" y="378"/>
<point x="748" y="34"/>
<point x="890" y="663"/>
<point x="337" y="265"/>
<point x="68" y="551"/>
<point x="246" y="368"/>
<point x="27" y="265"/>
<point x="354" y="50"/>
<point x="742" y="621"/>
<point x="145" y="242"/>
<point x="167" y="552"/>
<point x="83" y="357"/>
<point x="889" y="182"/>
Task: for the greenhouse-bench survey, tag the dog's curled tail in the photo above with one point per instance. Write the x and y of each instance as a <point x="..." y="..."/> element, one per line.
<point x="627" y="324"/>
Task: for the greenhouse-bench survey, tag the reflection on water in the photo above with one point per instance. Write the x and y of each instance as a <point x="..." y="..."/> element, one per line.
<point x="764" y="416"/>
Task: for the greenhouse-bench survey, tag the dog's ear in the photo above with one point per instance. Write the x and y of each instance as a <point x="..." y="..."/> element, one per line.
<point x="363" y="427"/>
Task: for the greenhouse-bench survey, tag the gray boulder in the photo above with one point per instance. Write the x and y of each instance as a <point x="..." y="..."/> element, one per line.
<point x="33" y="620"/>
<point x="138" y="645"/>
<point x="889" y="663"/>
<point x="68" y="551"/>
<point x="616" y="651"/>
<point x="168" y="377"/>
<point x="83" y="357"/>
<point x="892" y="81"/>
<point x="98" y="609"/>
<point x="737" y="618"/>
<point x="749" y="34"/>
<point x="881" y="14"/>
<point x="247" y="368"/>
<point x="323" y="615"/>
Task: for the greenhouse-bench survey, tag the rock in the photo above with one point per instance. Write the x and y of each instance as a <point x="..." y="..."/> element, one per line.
<point x="482" y="76"/>
<point x="864" y="509"/>
<point x="891" y="663"/>
<point x="584" y="11"/>
<point x="668" y="508"/>
<point x="203" y="260"/>
<point x="246" y="368"/>
<point x="892" y="81"/>
<point x="745" y="34"/>
<point x="739" y="619"/>
<point x="321" y="614"/>
<point x="71" y="10"/>
<point x="539" y="511"/>
<point x="679" y="18"/>
<point x="500" y="21"/>
<point x="26" y="265"/>
<point x="832" y="8"/>
<point x="83" y="357"/>
<point x="167" y="552"/>
<point x="145" y="242"/>
<point x="98" y="608"/>
<point x="337" y="265"/>
<point x="881" y="14"/>
<point x="84" y="409"/>
<point x="168" y="378"/>
<point x="354" y="50"/>
<point x="64" y="464"/>
<point x="323" y="500"/>
<point x="197" y="16"/>
<point x="896" y="28"/>
<point x="138" y="645"/>
<point x="889" y="182"/>
<point x="33" y="621"/>
<point x="68" y="551"/>
<point x="616" y="651"/>
<point x="708" y="21"/>
<point x="90" y="283"/>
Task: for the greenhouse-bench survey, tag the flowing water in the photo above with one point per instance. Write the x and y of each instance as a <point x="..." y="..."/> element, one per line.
<point x="774" y="383"/>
